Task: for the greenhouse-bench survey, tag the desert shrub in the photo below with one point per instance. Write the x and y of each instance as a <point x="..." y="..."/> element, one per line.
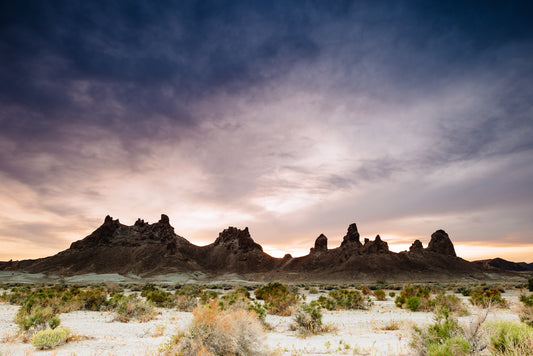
<point x="466" y="292"/>
<point x="313" y="290"/>
<point x="185" y="302"/>
<point x="530" y="284"/>
<point x="443" y="338"/>
<point x="450" y="301"/>
<point x="526" y="312"/>
<point x="148" y="288"/>
<point x="192" y="290"/>
<point x="486" y="297"/>
<point x="344" y="299"/>
<point x="365" y="290"/>
<point x="380" y="294"/>
<point x="92" y="299"/>
<point x="416" y="296"/>
<point x="133" y="308"/>
<point x="527" y="300"/>
<point x="392" y="294"/>
<point x="413" y="303"/>
<point x="208" y="296"/>
<point x="160" y="298"/>
<point x="50" y="338"/>
<point x="308" y="319"/>
<point x="31" y="318"/>
<point x="510" y="338"/>
<point x="278" y="299"/>
<point x="220" y="332"/>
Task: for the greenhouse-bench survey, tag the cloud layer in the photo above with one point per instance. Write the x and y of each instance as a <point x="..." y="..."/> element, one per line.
<point x="290" y="118"/>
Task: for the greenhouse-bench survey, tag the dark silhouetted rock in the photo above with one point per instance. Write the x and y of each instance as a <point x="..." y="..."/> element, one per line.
<point x="164" y="220"/>
<point x="441" y="243"/>
<point x="235" y="239"/>
<point x="376" y="246"/>
<point x="352" y="237"/>
<point x="416" y="247"/>
<point x="321" y="244"/>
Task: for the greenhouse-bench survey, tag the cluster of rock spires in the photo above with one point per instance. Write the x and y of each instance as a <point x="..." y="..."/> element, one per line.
<point x="149" y="249"/>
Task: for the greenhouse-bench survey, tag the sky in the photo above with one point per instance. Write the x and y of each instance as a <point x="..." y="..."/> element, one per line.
<point x="294" y="118"/>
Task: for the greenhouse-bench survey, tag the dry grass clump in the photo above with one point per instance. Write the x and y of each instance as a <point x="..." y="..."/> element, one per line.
<point x="380" y="294"/>
<point x="219" y="332"/>
<point x="526" y="311"/>
<point x="510" y="338"/>
<point x="133" y="308"/>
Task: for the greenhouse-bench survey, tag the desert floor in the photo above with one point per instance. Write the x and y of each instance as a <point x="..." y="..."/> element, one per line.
<point x="359" y="332"/>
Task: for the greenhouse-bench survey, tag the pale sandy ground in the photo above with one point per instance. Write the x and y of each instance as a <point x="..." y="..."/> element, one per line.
<point x="357" y="332"/>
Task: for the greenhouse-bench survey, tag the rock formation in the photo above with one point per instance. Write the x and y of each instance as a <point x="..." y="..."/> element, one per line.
<point x="416" y="247"/>
<point x="321" y="244"/>
<point x="441" y="243"/>
<point x="351" y="239"/>
<point x="234" y="239"/>
<point x="376" y="246"/>
<point x="148" y="249"/>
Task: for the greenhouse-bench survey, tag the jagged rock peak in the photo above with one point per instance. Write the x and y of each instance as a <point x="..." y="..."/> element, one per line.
<point x="352" y="236"/>
<point x="376" y="246"/>
<point x="109" y="220"/>
<point x="140" y="223"/>
<point x="164" y="219"/>
<point x="440" y="243"/>
<point x="416" y="247"/>
<point x="236" y="239"/>
<point x="321" y="243"/>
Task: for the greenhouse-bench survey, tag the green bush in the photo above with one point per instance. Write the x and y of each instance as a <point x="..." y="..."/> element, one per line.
<point x="35" y="317"/>
<point x="160" y="298"/>
<point x="530" y="284"/>
<point x="50" y="338"/>
<point x="422" y="295"/>
<point x="413" y="303"/>
<point x="510" y="338"/>
<point x="278" y="299"/>
<point x="380" y="294"/>
<point x="308" y="319"/>
<point x="486" y="297"/>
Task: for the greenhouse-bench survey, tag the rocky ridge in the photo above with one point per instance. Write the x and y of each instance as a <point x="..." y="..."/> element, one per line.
<point x="150" y="249"/>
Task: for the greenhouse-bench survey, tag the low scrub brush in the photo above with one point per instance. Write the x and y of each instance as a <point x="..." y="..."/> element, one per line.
<point x="50" y="338"/>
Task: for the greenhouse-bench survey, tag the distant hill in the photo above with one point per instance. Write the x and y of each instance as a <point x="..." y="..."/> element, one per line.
<point x="153" y="249"/>
<point x="504" y="265"/>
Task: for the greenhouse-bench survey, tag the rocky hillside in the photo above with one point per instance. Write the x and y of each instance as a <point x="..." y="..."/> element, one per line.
<point x="149" y="249"/>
